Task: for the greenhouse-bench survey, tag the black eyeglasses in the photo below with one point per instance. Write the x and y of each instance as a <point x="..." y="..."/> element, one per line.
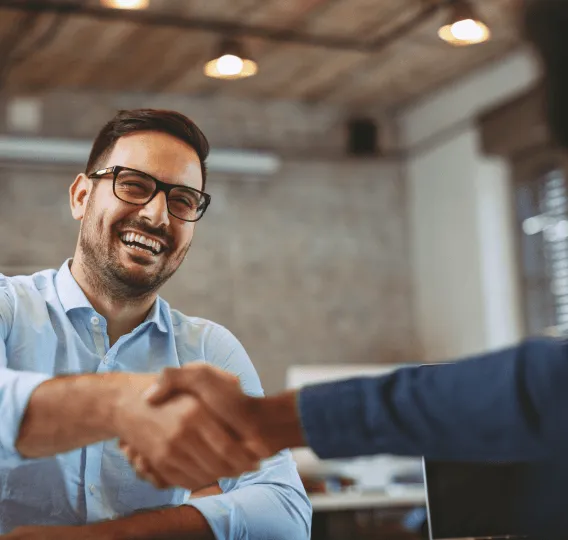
<point x="137" y="187"/>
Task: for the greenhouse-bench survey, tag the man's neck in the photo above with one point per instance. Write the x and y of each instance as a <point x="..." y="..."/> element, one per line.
<point x="121" y="317"/>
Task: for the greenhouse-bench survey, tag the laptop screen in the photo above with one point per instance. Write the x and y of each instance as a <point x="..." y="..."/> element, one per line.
<point x="469" y="500"/>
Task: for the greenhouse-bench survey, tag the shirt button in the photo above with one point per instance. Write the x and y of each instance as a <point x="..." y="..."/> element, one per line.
<point x="92" y="489"/>
<point x="95" y="320"/>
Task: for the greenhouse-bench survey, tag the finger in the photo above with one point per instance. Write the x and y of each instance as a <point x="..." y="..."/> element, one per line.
<point x="170" y="382"/>
<point x="146" y="472"/>
<point x="257" y="447"/>
<point x="187" y="379"/>
<point x="207" y="491"/>
<point x="211" y="463"/>
<point x="129" y="453"/>
<point x="177" y="473"/>
<point x="185" y="473"/>
<point x="223" y="395"/>
<point x="158" y="392"/>
<point x="142" y="467"/>
<point x="180" y="469"/>
<point x="223" y="446"/>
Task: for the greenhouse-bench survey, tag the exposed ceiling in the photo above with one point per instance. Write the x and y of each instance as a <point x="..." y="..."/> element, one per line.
<point x="380" y="52"/>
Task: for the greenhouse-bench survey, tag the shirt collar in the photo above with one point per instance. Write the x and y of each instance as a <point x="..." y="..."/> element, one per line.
<point x="158" y="316"/>
<point x="68" y="290"/>
<point x="73" y="297"/>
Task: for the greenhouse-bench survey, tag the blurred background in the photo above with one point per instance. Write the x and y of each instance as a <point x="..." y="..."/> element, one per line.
<point x="384" y="188"/>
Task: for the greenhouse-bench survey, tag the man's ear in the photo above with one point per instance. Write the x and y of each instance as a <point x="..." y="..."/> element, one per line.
<point x="79" y="193"/>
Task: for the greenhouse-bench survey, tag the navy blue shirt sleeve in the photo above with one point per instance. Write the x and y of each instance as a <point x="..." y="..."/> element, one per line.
<point x="510" y="405"/>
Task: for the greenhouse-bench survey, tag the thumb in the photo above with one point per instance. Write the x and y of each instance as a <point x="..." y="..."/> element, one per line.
<point x="164" y="388"/>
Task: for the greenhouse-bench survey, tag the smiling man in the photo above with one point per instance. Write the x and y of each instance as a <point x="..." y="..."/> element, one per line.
<point x="79" y="348"/>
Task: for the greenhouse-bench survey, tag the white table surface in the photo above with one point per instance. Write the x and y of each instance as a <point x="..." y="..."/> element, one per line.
<point x="353" y="500"/>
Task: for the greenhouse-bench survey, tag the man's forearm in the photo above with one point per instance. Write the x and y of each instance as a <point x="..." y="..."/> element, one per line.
<point x="184" y="522"/>
<point x="70" y="412"/>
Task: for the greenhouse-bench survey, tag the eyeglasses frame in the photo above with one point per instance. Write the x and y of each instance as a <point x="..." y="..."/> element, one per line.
<point x="160" y="186"/>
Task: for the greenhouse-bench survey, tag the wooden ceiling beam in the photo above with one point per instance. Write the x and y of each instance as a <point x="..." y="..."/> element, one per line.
<point x="220" y="26"/>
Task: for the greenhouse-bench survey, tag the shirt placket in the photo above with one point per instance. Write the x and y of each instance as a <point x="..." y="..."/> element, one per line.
<point x="99" y="335"/>
<point x="96" y="509"/>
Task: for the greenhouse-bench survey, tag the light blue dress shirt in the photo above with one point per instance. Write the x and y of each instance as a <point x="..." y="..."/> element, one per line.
<point x="48" y="328"/>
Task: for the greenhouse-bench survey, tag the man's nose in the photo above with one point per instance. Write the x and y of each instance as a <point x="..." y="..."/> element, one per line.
<point x="156" y="211"/>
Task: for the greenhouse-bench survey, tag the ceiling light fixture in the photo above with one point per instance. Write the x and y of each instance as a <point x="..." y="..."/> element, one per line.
<point x="231" y="62"/>
<point x="464" y="27"/>
<point x="126" y="4"/>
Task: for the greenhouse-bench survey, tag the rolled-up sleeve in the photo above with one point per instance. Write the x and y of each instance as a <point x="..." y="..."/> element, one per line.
<point x="269" y="503"/>
<point x="16" y="387"/>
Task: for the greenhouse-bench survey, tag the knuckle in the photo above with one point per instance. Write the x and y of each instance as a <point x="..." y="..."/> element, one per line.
<point x="189" y="414"/>
<point x="203" y="372"/>
<point x="233" y="380"/>
<point x="168" y="375"/>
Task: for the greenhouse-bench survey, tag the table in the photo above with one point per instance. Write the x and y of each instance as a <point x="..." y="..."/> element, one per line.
<point x="353" y="500"/>
<point x="336" y="514"/>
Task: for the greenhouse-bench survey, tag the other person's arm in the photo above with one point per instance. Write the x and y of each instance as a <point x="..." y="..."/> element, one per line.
<point x="509" y="405"/>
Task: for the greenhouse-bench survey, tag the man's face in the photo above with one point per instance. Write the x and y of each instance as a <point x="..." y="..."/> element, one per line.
<point x="109" y="223"/>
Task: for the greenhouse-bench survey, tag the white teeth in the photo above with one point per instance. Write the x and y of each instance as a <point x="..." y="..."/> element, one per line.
<point x="140" y="239"/>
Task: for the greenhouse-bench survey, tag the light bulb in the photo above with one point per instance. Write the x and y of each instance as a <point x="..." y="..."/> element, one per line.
<point x="126" y="4"/>
<point x="468" y="30"/>
<point x="533" y="225"/>
<point x="229" y="64"/>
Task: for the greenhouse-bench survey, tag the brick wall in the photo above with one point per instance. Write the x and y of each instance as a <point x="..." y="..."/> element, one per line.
<point x="309" y="266"/>
<point x="292" y="128"/>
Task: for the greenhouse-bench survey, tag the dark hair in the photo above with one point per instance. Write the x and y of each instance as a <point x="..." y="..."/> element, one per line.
<point x="131" y="121"/>
<point x="546" y="27"/>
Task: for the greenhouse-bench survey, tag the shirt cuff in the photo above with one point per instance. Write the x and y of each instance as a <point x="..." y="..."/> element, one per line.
<point x="223" y="515"/>
<point x="16" y="390"/>
<point x="333" y="418"/>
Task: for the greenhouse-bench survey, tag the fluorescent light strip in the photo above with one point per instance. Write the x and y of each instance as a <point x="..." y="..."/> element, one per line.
<point x="59" y="151"/>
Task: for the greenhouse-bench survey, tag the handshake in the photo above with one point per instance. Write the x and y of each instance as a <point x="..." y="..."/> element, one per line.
<point x="193" y="425"/>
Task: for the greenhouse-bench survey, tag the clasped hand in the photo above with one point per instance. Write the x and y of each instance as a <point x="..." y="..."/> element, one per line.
<point x="192" y="427"/>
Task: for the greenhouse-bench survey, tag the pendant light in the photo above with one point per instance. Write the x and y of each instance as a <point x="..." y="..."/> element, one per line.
<point x="464" y="27"/>
<point x="231" y="62"/>
<point x="126" y="4"/>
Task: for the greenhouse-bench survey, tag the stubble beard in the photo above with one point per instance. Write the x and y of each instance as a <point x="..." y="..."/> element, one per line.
<point x="106" y="275"/>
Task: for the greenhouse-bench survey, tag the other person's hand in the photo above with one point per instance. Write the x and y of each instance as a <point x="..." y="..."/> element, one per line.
<point x="180" y="440"/>
<point x="221" y="393"/>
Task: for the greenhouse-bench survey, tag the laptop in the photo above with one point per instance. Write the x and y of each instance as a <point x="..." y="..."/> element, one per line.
<point x="497" y="501"/>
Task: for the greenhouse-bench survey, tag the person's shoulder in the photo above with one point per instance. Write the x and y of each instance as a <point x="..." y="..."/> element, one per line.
<point x="185" y="322"/>
<point x="36" y="281"/>
<point x="199" y="330"/>
<point x="22" y="290"/>
<point x="30" y="284"/>
<point x="218" y="346"/>
<point x="213" y="336"/>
